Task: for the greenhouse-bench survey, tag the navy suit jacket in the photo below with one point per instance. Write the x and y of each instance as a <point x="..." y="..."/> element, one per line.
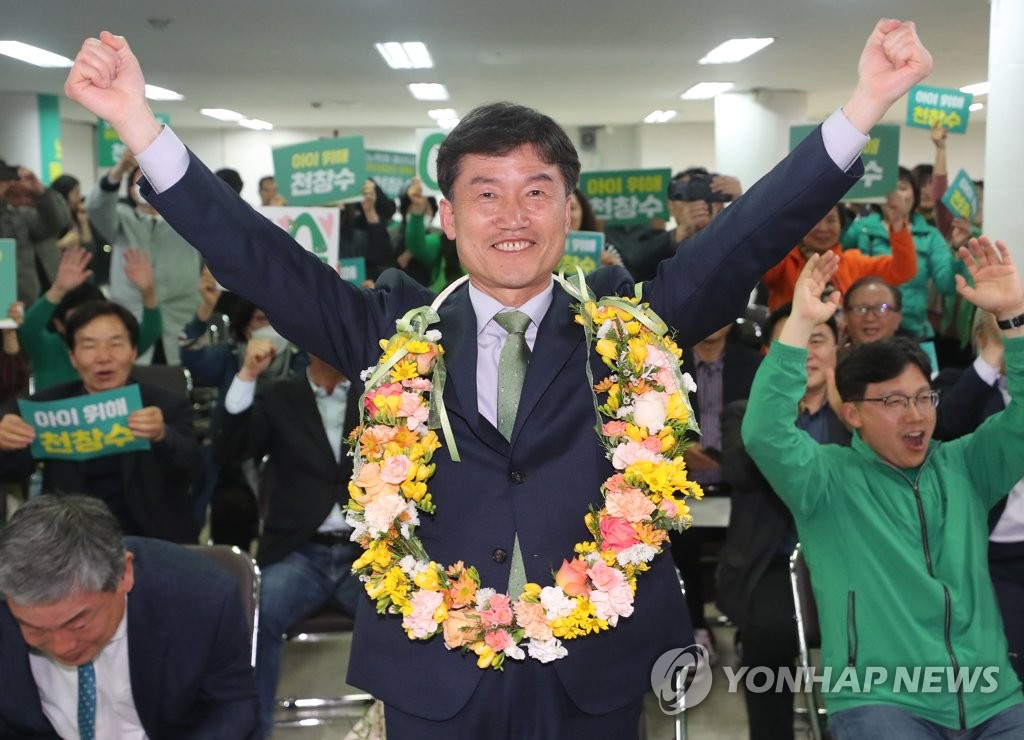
<point x="541" y="482"/>
<point x="301" y="481"/>
<point x="188" y="653"/>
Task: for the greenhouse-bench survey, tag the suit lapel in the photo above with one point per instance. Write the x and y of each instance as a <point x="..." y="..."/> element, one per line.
<point x="147" y="652"/>
<point x="458" y="338"/>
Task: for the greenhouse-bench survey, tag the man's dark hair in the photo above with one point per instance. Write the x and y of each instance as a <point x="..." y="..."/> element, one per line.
<point x="93" y="310"/>
<point x="877" y="362"/>
<point x="923" y="172"/>
<point x="231" y="177"/>
<point x="73" y="299"/>
<point x="897" y="294"/>
<point x="65" y="184"/>
<point x="496" y="129"/>
<point x="784" y="312"/>
<point x="265" y="178"/>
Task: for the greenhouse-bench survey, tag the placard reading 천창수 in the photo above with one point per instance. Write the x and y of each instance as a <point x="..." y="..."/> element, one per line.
<point x="582" y="249"/>
<point x="84" y="427"/>
<point x="949" y="108"/>
<point x="322" y="171"/>
<point x="961" y="198"/>
<point x="627" y="196"/>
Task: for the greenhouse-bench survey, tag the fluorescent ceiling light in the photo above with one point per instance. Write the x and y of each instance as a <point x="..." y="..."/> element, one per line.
<point x="659" y="116"/>
<point x="705" y="90"/>
<point x="447" y="123"/>
<point x="221" y="114"/>
<point x="33" y="55"/>
<point x="428" y="91"/>
<point x="162" y="93"/>
<point x="976" y="107"/>
<point x="734" y="50"/>
<point x="256" y="123"/>
<point x="978" y="88"/>
<point x="407" y="55"/>
<point x="439" y="113"/>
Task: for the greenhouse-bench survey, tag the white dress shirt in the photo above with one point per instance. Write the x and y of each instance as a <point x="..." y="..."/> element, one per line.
<point x="115" y="707"/>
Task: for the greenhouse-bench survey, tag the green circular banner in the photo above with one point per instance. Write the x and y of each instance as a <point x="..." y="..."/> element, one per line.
<point x="426" y="162"/>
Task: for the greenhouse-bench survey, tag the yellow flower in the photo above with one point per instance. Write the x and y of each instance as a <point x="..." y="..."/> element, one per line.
<point x="405" y="369"/>
<point x="582" y="621"/>
<point x="637" y="350"/>
<point x="635" y="433"/>
<point x="582" y="548"/>
<point x="429" y="579"/>
<point x="423" y="472"/>
<point x="378" y="555"/>
<point x="607" y="349"/>
<point x="417" y="346"/>
<point x="414" y="491"/>
<point x="430" y="441"/>
<point x="486" y="655"/>
<point x="531" y="591"/>
<point x="613" y="398"/>
<point x="676" y="408"/>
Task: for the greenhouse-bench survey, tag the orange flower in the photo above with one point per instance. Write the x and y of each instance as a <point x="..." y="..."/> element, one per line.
<point x="572" y="577"/>
<point x="461" y="628"/>
<point x="463" y="590"/>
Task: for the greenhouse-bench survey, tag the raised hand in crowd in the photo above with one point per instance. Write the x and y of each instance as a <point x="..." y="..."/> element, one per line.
<point x="727" y="184"/>
<point x="259" y="353"/>
<point x="16" y="313"/>
<point x="209" y="294"/>
<point x="72" y="271"/>
<point x="29" y="182"/>
<point x="809" y="309"/>
<point x="138" y="268"/>
<point x="997" y="286"/>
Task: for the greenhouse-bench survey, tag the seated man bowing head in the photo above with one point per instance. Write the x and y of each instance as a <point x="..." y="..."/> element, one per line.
<point x="895" y="527"/>
<point x="104" y="637"/>
<point x="149" y="491"/>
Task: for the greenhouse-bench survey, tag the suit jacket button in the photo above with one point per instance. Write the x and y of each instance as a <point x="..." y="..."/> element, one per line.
<point x="517" y="476"/>
<point x="499" y="555"/>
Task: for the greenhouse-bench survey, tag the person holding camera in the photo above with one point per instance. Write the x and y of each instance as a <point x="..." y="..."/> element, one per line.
<point x="695" y="196"/>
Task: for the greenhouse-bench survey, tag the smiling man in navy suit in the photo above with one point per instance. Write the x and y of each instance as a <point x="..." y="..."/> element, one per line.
<point x="104" y="637"/>
<point x="515" y="503"/>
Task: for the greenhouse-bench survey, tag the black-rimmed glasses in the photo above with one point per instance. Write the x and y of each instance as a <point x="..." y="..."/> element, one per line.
<point x="894" y="401"/>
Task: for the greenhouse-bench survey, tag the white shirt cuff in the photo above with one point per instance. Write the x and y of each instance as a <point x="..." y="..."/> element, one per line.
<point x="240" y="395"/>
<point x="988" y="374"/>
<point x="164" y="161"/>
<point x="843" y="141"/>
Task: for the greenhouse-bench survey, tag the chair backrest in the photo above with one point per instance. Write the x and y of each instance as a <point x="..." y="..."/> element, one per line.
<point x="803" y="598"/>
<point x="174" y="378"/>
<point x="245" y="570"/>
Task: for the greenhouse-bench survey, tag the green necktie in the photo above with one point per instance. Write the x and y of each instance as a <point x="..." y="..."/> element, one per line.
<point x="515" y="356"/>
<point x="86" y="702"/>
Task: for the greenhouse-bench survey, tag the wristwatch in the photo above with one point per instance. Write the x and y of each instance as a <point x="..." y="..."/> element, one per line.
<point x="1011" y="323"/>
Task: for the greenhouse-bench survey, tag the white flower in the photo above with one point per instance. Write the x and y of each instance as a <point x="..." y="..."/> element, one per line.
<point x="381" y="513"/>
<point x="483" y="597"/>
<point x="604" y="328"/>
<point x="639" y="553"/>
<point x="433" y="335"/>
<point x="365" y="374"/>
<point x="515" y="652"/>
<point x="649" y="411"/>
<point x="688" y="383"/>
<point x="556" y="603"/>
<point x="411" y="566"/>
<point x="547" y="650"/>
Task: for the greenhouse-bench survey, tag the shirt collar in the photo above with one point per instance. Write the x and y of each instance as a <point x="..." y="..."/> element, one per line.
<point x="341" y="389"/>
<point x="485" y="307"/>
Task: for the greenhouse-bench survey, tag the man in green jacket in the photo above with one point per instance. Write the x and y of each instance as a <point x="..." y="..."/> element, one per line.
<point x="894" y="528"/>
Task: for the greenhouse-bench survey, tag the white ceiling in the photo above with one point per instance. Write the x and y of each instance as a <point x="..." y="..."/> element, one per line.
<point x="601" y="62"/>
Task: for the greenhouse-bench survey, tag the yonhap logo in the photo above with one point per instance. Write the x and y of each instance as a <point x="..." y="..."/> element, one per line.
<point x="681" y="678"/>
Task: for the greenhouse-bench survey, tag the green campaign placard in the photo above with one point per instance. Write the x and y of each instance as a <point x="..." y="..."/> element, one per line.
<point x="353" y="269"/>
<point x="881" y="160"/>
<point x="51" y="152"/>
<point x="962" y="197"/>
<point x="627" y="196"/>
<point x="582" y="249"/>
<point x="426" y="161"/>
<point x="109" y="146"/>
<point x="323" y="171"/>
<point x="391" y="170"/>
<point x="947" y="107"/>
<point x="8" y="280"/>
<point x="84" y="427"/>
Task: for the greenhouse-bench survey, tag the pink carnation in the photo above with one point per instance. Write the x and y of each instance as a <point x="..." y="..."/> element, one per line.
<point x="617" y="534"/>
<point x="531" y="617"/>
<point x="629" y="504"/>
<point x="614" y="603"/>
<point x="413" y="408"/>
<point x="499" y="640"/>
<point x="395" y="469"/>
<point x="657" y="357"/>
<point x="630" y="452"/>
<point x="498" y="612"/>
<point x="417" y="384"/>
<point x="605" y="577"/>
<point x="652" y="443"/>
<point x="420" y="623"/>
<point x="617" y="483"/>
<point x="667" y="380"/>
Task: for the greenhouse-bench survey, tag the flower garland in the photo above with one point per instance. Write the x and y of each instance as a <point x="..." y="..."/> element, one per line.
<point x="644" y="400"/>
